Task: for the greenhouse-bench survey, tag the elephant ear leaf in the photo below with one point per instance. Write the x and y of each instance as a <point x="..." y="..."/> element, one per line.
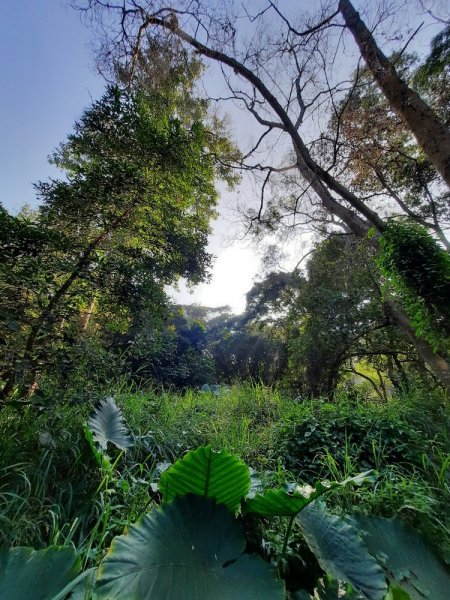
<point x="287" y="503"/>
<point x="38" y="574"/>
<point x="107" y="425"/>
<point x="340" y="551"/>
<point x="203" y="472"/>
<point x="408" y="561"/>
<point x="189" y="548"/>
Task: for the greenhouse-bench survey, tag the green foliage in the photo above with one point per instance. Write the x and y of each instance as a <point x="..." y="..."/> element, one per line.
<point x="131" y="216"/>
<point x="407" y="561"/>
<point x="41" y="574"/>
<point x="396" y="593"/>
<point x="381" y="153"/>
<point x="101" y="459"/>
<point x="242" y="352"/>
<point x="171" y="353"/>
<point x="331" y="320"/>
<point x="359" y="434"/>
<point x="191" y="547"/>
<point x="203" y="472"/>
<point x="289" y="502"/>
<point x="194" y="545"/>
<point x="419" y="271"/>
<point x="341" y="551"/>
<point x="57" y="495"/>
<point x="431" y="77"/>
<point x="107" y="425"/>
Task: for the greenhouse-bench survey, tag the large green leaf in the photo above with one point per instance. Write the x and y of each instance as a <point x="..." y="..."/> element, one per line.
<point x="190" y="549"/>
<point x="283" y="503"/>
<point x="106" y="424"/>
<point x="100" y="457"/>
<point x="340" y="551"/>
<point x="203" y="472"/>
<point x="407" y="560"/>
<point x="27" y="574"/>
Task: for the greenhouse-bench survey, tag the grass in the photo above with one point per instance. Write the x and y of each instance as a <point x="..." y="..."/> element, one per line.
<point x="54" y="492"/>
<point x="242" y="419"/>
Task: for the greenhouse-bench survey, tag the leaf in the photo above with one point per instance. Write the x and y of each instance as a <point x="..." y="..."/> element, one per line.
<point x="106" y="425"/>
<point x="36" y="574"/>
<point x="203" y="472"/>
<point x="282" y="503"/>
<point x="396" y="593"/>
<point x="101" y="459"/>
<point x="189" y="548"/>
<point x="256" y="485"/>
<point x="340" y="551"/>
<point x="407" y="560"/>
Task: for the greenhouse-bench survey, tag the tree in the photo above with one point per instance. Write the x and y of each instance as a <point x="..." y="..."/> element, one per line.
<point x="282" y="76"/>
<point x="132" y="215"/>
<point x="431" y="133"/>
<point x="243" y="351"/>
<point x="171" y="352"/>
<point x="331" y="319"/>
<point x="380" y="152"/>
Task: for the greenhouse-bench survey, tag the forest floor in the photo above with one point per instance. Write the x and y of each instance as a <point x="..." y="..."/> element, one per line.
<point x="52" y="491"/>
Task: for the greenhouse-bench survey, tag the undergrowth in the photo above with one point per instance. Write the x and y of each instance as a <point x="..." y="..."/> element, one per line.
<point x="52" y="491"/>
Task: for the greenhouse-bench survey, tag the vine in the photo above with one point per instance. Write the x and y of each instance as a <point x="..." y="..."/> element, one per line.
<point x="417" y="269"/>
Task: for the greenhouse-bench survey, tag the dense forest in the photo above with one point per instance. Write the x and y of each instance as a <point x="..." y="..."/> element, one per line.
<point x="154" y="450"/>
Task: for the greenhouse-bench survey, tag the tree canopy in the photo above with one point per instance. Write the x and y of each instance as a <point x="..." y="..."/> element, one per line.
<point x="279" y="65"/>
<point x="131" y="216"/>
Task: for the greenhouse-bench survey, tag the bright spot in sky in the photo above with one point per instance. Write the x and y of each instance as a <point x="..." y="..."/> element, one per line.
<point x="234" y="270"/>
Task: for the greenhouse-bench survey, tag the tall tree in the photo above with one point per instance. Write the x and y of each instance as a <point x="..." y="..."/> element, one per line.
<point x="133" y="214"/>
<point x="380" y="153"/>
<point x="431" y="133"/>
<point x="280" y="67"/>
<point x="331" y="318"/>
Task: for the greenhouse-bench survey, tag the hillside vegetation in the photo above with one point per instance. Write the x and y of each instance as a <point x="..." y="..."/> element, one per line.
<point x="299" y="450"/>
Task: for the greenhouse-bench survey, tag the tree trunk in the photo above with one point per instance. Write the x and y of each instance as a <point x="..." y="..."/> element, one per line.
<point x="47" y="312"/>
<point x="86" y="315"/>
<point x="359" y="218"/>
<point x="438" y="365"/>
<point x="431" y="134"/>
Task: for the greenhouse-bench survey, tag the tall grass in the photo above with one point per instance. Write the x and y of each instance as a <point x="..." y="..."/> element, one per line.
<point x="52" y="490"/>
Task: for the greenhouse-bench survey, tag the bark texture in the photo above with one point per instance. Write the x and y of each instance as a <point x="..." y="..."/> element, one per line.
<point x="437" y="364"/>
<point x="431" y="134"/>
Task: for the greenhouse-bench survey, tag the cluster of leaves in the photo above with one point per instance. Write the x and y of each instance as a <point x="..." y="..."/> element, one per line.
<point x="332" y="322"/>
<point x="419" y="271"/>
<point x="171" y="354"/>
<point x="347" y="438"/>
<point x="131" y="216"/>
<point x="195" y="544"/>
<point x="242" y="352"/>
<point x="383" y="160"/>
<point x="407" y="446"/>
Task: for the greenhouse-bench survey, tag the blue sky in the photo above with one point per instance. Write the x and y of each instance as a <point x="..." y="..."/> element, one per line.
<point x="47" y="78"/>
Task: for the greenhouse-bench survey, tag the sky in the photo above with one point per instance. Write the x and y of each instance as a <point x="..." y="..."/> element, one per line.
<point x="48" y="77"/>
